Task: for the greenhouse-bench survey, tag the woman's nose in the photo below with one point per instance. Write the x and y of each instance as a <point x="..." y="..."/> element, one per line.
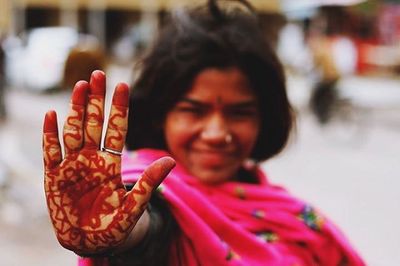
<point x="215" y="130"/>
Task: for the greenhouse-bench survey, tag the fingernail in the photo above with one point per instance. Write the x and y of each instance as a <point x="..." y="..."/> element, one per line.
<point x="121" y="95"/>
<point x="50" y="122"/>
<point x="97" y="82"/>
<point x="168" y="162"/>
<point x="79" y="94"/>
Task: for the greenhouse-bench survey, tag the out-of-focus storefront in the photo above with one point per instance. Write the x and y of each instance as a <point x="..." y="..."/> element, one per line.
<point x="115" y="31"/>
<point x="5" y="16"/>
<point x="107" y="19"/>
<point x="373" y="27"/>
<point x="123" y="28"/>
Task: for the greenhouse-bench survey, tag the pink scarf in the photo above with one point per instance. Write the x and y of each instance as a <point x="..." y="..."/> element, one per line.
<point x="242" y="224"/>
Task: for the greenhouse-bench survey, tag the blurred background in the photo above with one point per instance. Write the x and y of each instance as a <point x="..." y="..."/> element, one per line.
<point x="342" y="59"/>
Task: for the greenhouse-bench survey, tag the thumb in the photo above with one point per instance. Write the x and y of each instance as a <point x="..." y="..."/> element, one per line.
<point x="150" y="179"/>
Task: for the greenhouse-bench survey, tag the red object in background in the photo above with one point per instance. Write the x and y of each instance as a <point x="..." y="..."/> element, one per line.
<point x="378" y="52"/>
<point x="389" y="24"/>
<point x="363" y="51"/>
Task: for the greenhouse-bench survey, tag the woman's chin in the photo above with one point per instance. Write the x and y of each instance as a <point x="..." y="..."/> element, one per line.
<point x="213" y="176"/>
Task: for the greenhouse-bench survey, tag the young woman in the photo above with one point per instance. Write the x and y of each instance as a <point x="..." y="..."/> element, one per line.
<point x="211" y="95"/>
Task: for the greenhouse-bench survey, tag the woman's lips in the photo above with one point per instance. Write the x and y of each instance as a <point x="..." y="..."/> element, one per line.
<point x="212" y="157"/>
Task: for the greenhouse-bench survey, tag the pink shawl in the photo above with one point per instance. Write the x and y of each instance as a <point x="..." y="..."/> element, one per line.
<point x="242" y="224"/>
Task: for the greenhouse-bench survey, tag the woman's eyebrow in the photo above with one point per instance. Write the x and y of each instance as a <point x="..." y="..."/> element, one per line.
<point x="242" y="104"/>
<point x="245" y="104"/>
<point x="192" y="102"/>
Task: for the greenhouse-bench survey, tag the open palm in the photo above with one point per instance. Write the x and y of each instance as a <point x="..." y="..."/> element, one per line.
<point x="89" y="207"/>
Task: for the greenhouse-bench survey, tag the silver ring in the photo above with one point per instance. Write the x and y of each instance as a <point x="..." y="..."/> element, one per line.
<point x="228" y="138"/>
<point x="114" y="152"/>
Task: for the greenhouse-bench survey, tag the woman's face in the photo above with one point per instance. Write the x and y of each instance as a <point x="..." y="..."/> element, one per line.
<point x="214" y="127"/>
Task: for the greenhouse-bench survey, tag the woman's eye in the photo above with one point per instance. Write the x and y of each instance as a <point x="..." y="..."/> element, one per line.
<point x="243" y="113"/>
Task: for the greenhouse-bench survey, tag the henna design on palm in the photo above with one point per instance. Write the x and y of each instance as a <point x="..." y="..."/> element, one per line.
<point x="90" y="209"/>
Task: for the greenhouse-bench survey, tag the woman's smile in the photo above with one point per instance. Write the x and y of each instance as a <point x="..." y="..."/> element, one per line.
<point x="212" y="157"/>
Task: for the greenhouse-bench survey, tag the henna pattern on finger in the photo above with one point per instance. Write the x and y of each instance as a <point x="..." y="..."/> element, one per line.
<point x="51" y="149"/>
<point x="50" y="141"/>
<point x="94" y="121"/>
<point x="140" y="194"/>
<point x="117" y="127"/>
<point x="72" y="133"/>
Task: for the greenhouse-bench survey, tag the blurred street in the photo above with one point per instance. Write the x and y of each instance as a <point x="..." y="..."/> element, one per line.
<point x="351" y="172"/>
<point x="351" y="175"/>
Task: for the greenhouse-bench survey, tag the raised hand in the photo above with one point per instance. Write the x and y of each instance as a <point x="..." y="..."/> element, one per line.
<point x="88" y="205"/>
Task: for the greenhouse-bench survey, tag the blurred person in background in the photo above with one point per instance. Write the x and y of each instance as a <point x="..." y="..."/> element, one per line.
<point x="210" y="94"/>
<point x="293" y="50"/>
<point x="2" y="81"/>
<point x="334" y="55"/>
<point x="85" y="57"/>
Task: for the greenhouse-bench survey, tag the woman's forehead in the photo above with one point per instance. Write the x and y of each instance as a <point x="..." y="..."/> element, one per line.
<point x="231" y="75"/>
<point x="221" y="85"/>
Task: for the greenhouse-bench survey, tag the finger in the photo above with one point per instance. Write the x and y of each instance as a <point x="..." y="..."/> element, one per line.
<point x="73" y="126"/>
<point x="94" y="117"/>
<point x="150" y="179"/>
<point x="118" y="120"/>
<point x="51" y="144"/>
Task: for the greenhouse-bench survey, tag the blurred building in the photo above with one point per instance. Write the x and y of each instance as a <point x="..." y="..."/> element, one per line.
<point x="124" y="28"/>
<point x="121" y="30"/>
<point x="373" y="26"/>
<point x="106" y="19"/>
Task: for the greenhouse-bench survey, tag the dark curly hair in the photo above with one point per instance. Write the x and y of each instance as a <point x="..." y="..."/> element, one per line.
<point x="222" y="34"/>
